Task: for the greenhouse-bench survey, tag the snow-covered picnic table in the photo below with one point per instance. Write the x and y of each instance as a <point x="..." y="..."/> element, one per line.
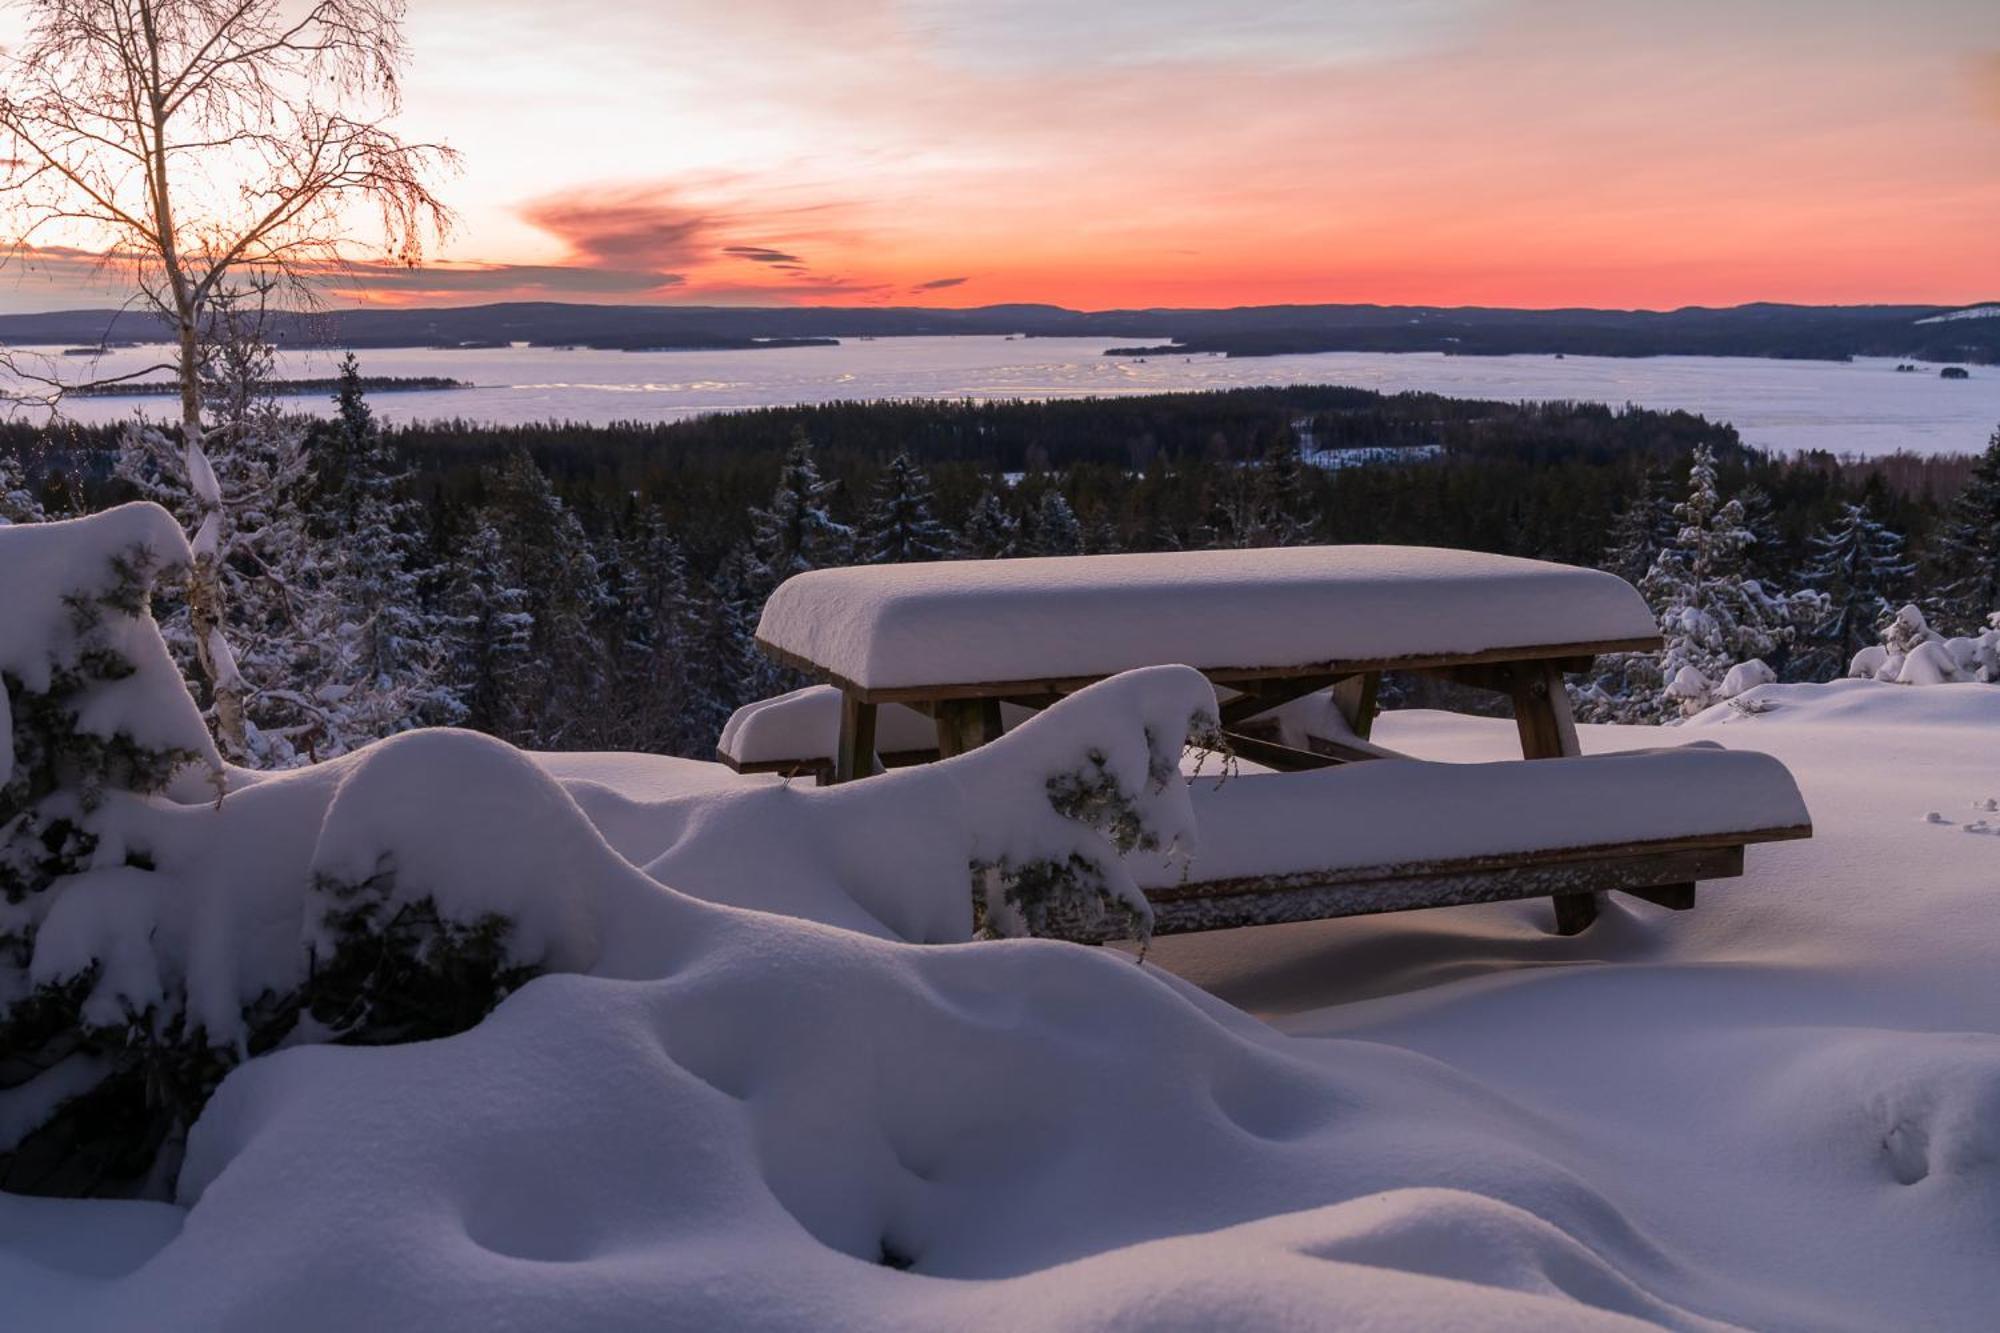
<point x="955" y="638"/>
<point x="1296" y="641"/>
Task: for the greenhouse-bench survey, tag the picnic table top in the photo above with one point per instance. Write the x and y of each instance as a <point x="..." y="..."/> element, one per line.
<point x="988" y="627"/>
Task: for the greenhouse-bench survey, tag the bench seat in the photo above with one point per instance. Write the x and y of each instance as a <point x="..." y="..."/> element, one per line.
<point x="1385" y="837"/>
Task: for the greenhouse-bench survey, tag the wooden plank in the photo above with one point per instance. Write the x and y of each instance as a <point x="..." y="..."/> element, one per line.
<point x="1283" y="758"/>
<point x="854" y="752"/>
<point x="1262" y="697"/>
<point x="1306" y="897"/>
<point x="1564" y="653"/>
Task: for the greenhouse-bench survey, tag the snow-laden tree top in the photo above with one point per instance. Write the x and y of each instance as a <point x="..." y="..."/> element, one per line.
<point x="970" y="621"/>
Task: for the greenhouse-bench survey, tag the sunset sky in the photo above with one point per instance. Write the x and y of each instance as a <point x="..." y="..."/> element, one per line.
<point x="1100" y="153"/>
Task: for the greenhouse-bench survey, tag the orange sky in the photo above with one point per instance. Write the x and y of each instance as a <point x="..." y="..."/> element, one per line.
<point x="1098" y="153"/>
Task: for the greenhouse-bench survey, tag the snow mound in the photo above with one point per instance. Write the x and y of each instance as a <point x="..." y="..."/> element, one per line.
<point x="769" y="1133"/>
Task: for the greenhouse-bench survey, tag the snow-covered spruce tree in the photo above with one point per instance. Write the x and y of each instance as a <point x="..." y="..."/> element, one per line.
<point x="1056" y="530"/>
<point x="990" y="531"/>
<point x="18" y="502"/>
<point x="1711" y="614"/>
<point x="898" y="526"/>
<point x="652" y="620"/>
<point x="1101" y="537"/>
<point x="1965" y="554"/>
<point x="383" y="667"/>
<point x="85" y="650"/>
<point x="797" y="531"/>
<point x="489" y="633"/>
<point x="547" y="555"/>
<point x="1857" y="564"/>
<point x="730" y="671"/>
<point x="1279" y="503"/>
<point x="1640" y="531"/>
<point x="117" y="1016"/>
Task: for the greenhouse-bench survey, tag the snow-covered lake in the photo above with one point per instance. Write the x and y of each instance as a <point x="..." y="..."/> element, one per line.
<point x="1862" y="407"/>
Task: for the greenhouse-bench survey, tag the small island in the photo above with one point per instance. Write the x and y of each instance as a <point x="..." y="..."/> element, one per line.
<point x="280" y="388"/>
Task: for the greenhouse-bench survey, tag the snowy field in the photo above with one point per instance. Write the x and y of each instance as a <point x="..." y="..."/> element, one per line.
<point x="1780" y="1111"/>
<point x="1862" y="407"/>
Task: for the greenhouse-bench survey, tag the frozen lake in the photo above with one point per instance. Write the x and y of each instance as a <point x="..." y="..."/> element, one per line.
<point x="1861" y="407"/>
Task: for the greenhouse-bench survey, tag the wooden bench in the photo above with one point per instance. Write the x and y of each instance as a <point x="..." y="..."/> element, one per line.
<point x="1408" y="835"/>
<point x="957" y="642"/>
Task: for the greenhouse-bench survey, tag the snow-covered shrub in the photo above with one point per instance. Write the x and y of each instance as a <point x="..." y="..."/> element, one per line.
<point x="1912" y="653"/>
<point x="1744" y="677"/>
<point x="1048" y="861"/>
<point x="144" y="945"/>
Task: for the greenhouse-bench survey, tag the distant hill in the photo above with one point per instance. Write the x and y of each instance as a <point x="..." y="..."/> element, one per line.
<point x="1921" y="332"/>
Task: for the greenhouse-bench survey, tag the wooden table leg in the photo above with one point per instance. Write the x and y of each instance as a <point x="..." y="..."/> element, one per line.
<point x="854" y="754"/>
<point x="1548" y="731"/>
<point x="965" y="724"/>
<point x="1355" y="698"/>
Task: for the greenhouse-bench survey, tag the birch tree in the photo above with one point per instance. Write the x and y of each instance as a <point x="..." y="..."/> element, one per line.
<point x="197" y="144"/>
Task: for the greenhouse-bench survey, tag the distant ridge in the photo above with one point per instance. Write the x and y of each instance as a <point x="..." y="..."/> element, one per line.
<point x="1922" y="332"/>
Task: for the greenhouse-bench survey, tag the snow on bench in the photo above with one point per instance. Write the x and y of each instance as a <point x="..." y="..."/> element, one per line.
<point x="1364" y="838"/>
<point x="796" y="733"/>
<point x="887" y="630"/>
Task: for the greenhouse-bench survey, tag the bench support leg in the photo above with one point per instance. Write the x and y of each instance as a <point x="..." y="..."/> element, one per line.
<point x="1574" y="912"/>
<point x="1355" y="698"/>
<point x="854" y="755"/>
<point x="1673" y="897"/>
<point x="1548" y="731"/>
<point x="966" y="724"/>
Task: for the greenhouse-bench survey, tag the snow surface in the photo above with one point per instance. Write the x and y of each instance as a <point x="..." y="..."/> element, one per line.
<point x="1778" y="1111"/>
<point x="976" y="621"/>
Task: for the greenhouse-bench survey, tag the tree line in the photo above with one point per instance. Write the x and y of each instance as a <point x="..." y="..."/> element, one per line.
<point x="571" y="586"/>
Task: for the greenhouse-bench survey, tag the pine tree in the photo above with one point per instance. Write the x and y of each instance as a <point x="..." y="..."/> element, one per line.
<point x="1056" y="530"/>
<point x="1640" y="531"/>
<point x="18" y="502"/>
<point x="490" y="634"/>
<point x="1765" y="558"/>
<point x="1279" y="503"/>
<point x="990" y="531"/>
<point x="733" y="672"/>
<point x="898" y="527"/>
<point x="1966" y="552"/>
<point x="386" y="665"/>
<point x="1857" y="564"/>
<point x="653" y="622"/>
<point x="549" y="555"/>
<point x="797" y="531"/>
<point x="1101" y="538"/>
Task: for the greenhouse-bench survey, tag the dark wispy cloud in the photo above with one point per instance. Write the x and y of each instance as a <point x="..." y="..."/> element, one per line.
<point x="640" y="227"/>
<point x="939" y="284"/>
<point x="762" y="255"/>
